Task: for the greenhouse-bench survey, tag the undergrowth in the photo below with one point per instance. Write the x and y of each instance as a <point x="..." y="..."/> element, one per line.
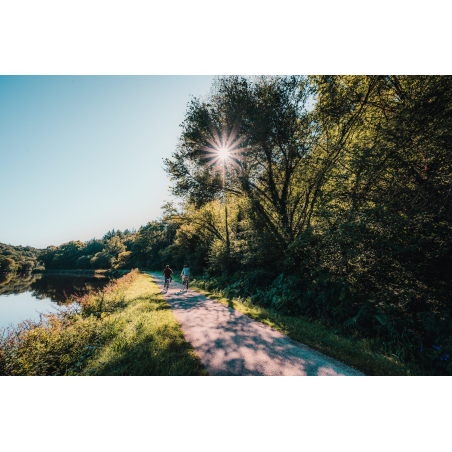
<point x="124" y="329"/>
<point x="365" y="354"/>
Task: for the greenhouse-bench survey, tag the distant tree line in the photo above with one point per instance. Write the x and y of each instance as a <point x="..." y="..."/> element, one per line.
<point x="113" y="251"/>
<point x="18" y="259"/>
<point x="151" y="247"/>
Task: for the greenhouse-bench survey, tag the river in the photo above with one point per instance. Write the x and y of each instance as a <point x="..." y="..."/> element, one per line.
<point x="23" y="297"/>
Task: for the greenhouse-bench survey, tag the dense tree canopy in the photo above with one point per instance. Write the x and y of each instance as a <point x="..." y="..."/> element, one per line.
<point x="18" y="258"/>
<point x="111" y="252"/>
<point x="343" y="184"/>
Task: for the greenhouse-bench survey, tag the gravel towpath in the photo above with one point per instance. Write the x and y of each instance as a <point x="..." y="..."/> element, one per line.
<point x="230" y="343"/>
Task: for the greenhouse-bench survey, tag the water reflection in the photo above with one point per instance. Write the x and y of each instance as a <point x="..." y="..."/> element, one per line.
<point x="14" y="284"/>
<point x="24" y="297"/>
<point x="58" y="288"/>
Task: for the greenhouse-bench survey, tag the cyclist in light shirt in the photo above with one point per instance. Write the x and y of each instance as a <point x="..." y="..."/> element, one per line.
<point x="185" y="274"/>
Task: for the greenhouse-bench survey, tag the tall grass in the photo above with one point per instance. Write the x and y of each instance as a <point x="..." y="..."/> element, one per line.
<point x="59" y="343"/>
<point x="123" y="329"/>
<point x="144" y="338"/>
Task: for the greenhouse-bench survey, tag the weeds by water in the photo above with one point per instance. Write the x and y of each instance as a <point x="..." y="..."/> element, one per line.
<point x="124" y="329"/>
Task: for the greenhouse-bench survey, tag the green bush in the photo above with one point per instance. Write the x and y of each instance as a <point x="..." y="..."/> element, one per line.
<point x="59" y="344"/>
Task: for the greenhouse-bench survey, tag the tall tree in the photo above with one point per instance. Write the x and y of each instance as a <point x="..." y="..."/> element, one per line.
<point x="267" y="117"/>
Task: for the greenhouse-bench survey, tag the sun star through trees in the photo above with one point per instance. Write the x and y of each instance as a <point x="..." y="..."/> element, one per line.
<point x="224" y="151"/>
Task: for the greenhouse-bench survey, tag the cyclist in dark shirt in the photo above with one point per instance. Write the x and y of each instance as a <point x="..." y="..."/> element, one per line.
<point x="167" y="273"/>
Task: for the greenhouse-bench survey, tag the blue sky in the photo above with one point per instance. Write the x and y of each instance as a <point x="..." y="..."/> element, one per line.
<point x="80" y="155"/>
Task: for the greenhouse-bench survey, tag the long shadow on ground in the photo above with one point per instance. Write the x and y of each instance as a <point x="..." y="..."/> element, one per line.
<point x="230" y="343"/>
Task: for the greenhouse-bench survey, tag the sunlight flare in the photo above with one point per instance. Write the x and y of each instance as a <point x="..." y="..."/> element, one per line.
<point x="224" y="151"/>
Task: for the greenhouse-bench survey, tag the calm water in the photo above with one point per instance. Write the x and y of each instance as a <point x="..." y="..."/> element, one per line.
<point x="24" y="297"/>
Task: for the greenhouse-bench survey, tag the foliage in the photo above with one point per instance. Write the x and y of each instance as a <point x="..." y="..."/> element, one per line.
<point x="124" y="329"/>
<point x="18" y="259"/>
<point x="113" y="251"/>
<point x="345" y="208"/>
<point x="361" y="353"/>
<point x="58" y="343"/>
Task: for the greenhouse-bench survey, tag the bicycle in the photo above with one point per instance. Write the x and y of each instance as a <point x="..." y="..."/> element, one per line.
<point x="185" y="283"/>
<point x="166" y="285"/>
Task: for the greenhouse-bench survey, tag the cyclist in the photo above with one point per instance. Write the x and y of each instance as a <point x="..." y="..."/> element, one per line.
<point x="167" y="273"/>
<point x="185" y="274"/>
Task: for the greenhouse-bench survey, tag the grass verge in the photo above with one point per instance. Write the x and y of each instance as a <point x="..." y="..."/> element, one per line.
<point x="125" y="329"/>
<point x="359" y="353"/>
<point x="144" y="338"/>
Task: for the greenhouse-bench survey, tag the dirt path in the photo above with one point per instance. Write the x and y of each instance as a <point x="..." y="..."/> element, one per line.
<point x="230" y="343"/>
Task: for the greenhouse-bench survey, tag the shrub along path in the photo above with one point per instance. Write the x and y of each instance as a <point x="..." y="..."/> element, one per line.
<point x="230" y="343"/>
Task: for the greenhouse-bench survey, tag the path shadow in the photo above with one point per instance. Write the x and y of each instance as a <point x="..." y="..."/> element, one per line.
<point x="230" y="343"/>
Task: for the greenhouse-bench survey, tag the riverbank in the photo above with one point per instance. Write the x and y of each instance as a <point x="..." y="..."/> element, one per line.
<point x="78" y="272"/>
<point x="125" y="329"/>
